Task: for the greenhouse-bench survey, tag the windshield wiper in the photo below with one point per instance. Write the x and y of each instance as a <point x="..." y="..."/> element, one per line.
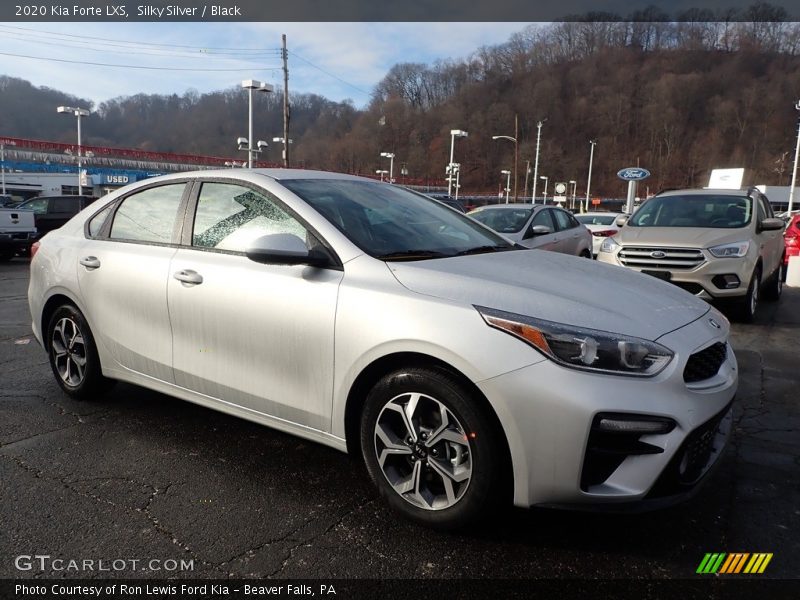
<point x="484" y="250"/>
<point x="412" y="255"/>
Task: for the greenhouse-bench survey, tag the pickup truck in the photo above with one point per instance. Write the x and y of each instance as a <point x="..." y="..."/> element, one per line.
<point x="17" y="232"/>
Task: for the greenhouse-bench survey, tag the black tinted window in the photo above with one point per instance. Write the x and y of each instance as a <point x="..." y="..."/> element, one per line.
<point x="65" y="205"/>
<point x="149" y="215"/>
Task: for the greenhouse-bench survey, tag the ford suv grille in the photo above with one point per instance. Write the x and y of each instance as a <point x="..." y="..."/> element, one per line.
<point x="661" y="258"/>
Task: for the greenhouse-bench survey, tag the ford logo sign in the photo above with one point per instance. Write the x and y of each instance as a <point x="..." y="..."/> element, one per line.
<point x="658" y="254"/>
<point x="633" y="174"/>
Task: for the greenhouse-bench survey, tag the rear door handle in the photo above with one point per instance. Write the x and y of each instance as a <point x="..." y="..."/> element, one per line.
<point x="90" y="262"/>
<point x="189" y="276"/>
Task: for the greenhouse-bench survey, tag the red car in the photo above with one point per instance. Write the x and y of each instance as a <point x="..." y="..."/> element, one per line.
<point x="791" y="237"/>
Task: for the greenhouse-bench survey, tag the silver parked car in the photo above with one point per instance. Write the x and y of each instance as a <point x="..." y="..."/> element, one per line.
<point x="541" y="227"/>
<point x="464" y="370"/>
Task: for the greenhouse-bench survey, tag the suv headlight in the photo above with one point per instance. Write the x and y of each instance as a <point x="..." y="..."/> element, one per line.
<point x="609" y="245"/>
<point x="735" y="250"/>
<point x="580" y="348"/>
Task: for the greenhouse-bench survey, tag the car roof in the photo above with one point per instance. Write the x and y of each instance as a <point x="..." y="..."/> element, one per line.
<point x="704" y="192"/>
<point x="278" y="174"/>
<point x="509" y="206"/>
<point x="605" y="213"/>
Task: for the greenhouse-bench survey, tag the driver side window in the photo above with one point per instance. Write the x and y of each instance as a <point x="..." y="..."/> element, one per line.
<point x="543" y="218"/>
<point x="230" y="217"/>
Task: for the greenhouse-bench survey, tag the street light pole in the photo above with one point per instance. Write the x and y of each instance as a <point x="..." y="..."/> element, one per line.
<point x="454" y="133"/>
<point x="589" y="180"/>
<point x="516" y="154"/>
<point x="527" y="173"/>
<point x="794" y="166"/>
<point x="252" y="85"/>
<point x="3" y="166"/>
<point x="458" y="178"/>
<point x="507" y="173"/>
<point x="78" y="112"/>
<point x="536" y="161"/>
<point x="574" y="187"/>
<point x="544" y="194"/>
<point x="390" y="156"/>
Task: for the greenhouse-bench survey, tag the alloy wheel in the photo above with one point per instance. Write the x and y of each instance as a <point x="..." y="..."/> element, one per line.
<point x="423" y="451"/>
<point x="69" y="352"/>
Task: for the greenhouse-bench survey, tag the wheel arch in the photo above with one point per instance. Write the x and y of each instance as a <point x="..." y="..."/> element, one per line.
<point x="50" y="306"/>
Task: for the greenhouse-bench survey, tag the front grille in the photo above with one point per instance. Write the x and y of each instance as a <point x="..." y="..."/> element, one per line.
<point x="706" y="363"/>
<point x="694" y="458"/>
<point x="665" y="258"/>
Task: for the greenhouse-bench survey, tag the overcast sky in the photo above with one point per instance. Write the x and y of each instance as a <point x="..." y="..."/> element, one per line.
<point x="348" y="58"/>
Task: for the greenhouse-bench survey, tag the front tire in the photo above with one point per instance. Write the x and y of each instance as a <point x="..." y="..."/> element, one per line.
<point x="73" y="355"/>
<point x="746" y="310"/>
<point x="431" y="449"/>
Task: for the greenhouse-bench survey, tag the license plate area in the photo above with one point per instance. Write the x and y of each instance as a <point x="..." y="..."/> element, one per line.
<point x="663" y="275"/>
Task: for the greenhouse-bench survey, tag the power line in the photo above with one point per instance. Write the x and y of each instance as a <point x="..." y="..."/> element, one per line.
<point x="99" y="64"/>
<point x="140" y="43"/>
<point x="129" y="51"/>
<point x="329" y="74"/>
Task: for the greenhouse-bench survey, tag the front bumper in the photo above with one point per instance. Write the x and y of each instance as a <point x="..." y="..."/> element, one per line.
<point x="547" y="412"/>
<point x="705" y="280"/>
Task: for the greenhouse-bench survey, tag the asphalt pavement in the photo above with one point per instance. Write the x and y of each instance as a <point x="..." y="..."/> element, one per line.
<point x="144" y="476"/>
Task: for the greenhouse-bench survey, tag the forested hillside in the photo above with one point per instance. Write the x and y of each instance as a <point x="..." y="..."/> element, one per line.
<point x="676" y="98"/>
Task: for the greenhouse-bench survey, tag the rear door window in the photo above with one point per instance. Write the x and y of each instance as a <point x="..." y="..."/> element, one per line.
<point x="562" y="220"/>
<point x="149" y="215"/>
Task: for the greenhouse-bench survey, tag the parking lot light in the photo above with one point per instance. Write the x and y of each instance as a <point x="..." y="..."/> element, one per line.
<point x="454" y="133"/>
<point x="390" y="156"/>
<point x="507" y="173"/>
<point x="544" y="195"/>
<point x="251" y="85"/>
<point x="589" y="180"/>
<point x="78" y="112"/>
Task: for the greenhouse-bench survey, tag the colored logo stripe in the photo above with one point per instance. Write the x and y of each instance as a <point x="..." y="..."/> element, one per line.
<point x="723" y="563"/>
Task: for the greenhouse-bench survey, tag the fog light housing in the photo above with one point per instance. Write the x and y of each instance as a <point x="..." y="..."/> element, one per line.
<point x="633" y="424"/>
<point x="727" y="282"/>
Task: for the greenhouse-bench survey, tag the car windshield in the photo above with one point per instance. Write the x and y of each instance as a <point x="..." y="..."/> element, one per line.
<point x="695" y="210"/>
<point x="503" y="220"/>
<point x="591" y="219"/>
<point x="392" y="223"/>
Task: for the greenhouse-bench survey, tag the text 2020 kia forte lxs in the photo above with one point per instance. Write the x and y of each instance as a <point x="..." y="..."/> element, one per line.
<point x="376" y="320"/>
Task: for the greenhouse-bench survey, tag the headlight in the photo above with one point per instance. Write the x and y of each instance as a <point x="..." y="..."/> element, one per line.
<point x="609" y="245"/>
<point x="585" y="349"/>
<point x="735" y="250"/>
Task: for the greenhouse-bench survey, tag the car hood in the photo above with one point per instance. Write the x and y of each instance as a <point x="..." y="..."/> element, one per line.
<point x="556" y="287"/>
<point x="680" y="237"/>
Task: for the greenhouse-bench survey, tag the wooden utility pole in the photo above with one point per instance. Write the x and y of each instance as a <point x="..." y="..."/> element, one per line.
<point x="285" y="55"/>
<point x="516" y="156"/>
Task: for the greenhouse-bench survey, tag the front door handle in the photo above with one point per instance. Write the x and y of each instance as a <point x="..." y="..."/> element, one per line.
<point x="90" y="262"/>
<point x="189" y="276"/>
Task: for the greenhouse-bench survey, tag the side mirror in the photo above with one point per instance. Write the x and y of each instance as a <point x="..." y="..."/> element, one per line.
<point x="772" y="224"/>
<point x="540" y="230"/>
<point x="284" y="249"/>
<point x="620" y="221"/>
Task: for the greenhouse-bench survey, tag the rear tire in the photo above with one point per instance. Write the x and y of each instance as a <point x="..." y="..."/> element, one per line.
<point x="774" y="287"/>
<point x="431" y="448"/>
<point x="73" y="355"/>
<point x="586" y="254"/>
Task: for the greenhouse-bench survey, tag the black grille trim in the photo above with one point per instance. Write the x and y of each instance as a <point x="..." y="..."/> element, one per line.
<point x="706" y="363"/>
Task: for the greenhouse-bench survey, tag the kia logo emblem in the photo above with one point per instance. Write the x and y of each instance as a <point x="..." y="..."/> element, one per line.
<point x="714" y="324"/>
<point x="658" y="254"/>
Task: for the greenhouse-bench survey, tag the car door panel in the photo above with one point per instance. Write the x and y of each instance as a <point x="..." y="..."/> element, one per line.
<point x="253" y="335"/>
<point x="123" y="279"/>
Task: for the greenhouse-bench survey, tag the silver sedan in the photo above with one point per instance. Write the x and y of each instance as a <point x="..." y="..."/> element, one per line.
<point x="541" y="227"/>
<point x="464" y="371"/>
